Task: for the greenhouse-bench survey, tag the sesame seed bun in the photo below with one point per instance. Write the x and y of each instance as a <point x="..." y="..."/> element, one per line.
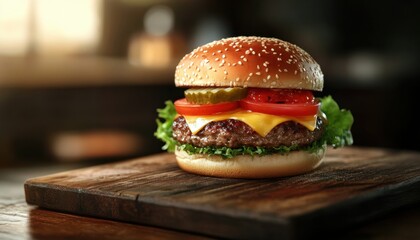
<point x="246" y="166"/>
<point x="249" y="62"/>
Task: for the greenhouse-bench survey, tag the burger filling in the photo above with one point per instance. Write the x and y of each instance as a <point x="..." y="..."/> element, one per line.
<point x="231" y="137"/>
<point x="235" y="134"/>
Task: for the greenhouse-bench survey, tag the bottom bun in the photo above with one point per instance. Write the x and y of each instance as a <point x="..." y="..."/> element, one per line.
<point x="246" y="166"/>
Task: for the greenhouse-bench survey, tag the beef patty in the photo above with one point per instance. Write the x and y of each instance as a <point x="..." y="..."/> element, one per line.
<point x="234" y="134"/>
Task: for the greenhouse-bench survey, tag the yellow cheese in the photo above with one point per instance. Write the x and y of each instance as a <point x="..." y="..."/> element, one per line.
<point x="260" y="122"/>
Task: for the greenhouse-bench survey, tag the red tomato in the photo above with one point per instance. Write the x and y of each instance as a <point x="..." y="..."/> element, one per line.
<point x="293" y="109"/>
<point x="288" y="102"/>
<point x="280" y="95"/>
<point x="183" y="107"/>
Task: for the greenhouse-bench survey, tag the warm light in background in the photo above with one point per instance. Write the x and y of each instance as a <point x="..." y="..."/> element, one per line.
<point x="49" y="27"/>
<point x="66" y="27"/>
<point x="14" y="27"/>
<point x="158" y="46"/>
<point x="73" y="146"/>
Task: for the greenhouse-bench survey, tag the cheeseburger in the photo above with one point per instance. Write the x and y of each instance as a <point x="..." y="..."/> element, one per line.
<point x="249" y="111"/>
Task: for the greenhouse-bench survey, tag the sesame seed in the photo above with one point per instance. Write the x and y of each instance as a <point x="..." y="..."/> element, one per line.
<point x="264" y="80"/>
<point x="245" y="59"/>
<point x="295" y="72"/>
<point x="279" y="59"/>
<point x="216" y="59"/>
<point x="259" y="54"/>
<point x="268" y="77"/>
<point x="237" y="79"/>
<point x="266" y="70"/>
<point x="258" y="73"/>
<point x="277" y="76"/>
<point x="223" y="56"/>
<point x="219" y="51"/>
<point x="247" y="52"/>
<point x="239" y="62"/>
<point x="225" y="72"/>
<point x="205" y="51"/>
<point x="258" y="67"/>
<point x="250" y="74"/>
<point x="285" y="70"/>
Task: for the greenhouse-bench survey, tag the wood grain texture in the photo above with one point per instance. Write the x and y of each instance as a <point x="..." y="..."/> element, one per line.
<point x="353" y="185"/>
<point x="19" y="221"/>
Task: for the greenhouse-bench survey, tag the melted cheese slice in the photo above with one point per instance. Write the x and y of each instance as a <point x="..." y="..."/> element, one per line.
<point x="260" y="122"/>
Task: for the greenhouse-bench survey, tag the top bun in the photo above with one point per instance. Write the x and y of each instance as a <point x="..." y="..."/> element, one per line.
<point x="249" y="62"/>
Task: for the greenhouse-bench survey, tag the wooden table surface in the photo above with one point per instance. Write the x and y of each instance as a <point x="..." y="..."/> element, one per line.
<point x="20" y="221"/>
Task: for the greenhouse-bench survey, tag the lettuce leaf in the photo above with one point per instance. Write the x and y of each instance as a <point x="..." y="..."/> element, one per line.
<point x="227" y="152"/>
<point x="164" y="129"/>
<point x="337" y="134"/>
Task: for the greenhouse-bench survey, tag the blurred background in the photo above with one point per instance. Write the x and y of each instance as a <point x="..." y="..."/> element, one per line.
<point x="80" y="80"/>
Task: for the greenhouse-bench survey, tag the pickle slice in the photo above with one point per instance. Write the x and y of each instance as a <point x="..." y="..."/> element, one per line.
<point x="214" y="95"/>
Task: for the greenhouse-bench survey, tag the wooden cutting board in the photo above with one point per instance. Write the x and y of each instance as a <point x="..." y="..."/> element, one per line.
<point x="353" y="185"/>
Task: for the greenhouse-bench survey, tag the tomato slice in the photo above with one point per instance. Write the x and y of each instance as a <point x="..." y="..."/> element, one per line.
<point x="183" y="107"/>
<point x="280" y="95"/>
<point x="292" y="109"/>
<point x="288" y="102"/>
